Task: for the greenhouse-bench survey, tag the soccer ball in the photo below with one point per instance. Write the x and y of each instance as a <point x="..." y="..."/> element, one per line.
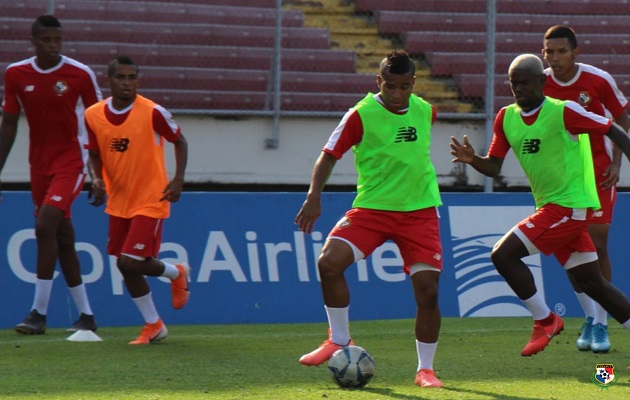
<point x="351" y="367"/>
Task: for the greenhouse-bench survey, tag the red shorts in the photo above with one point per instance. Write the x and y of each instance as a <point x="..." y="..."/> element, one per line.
<point x="416" y="233"/>
<point x="607" y="199"/>
<point x="553" y="229"/>
<point x="59" y="190"/>
<point x="138" y="236"/>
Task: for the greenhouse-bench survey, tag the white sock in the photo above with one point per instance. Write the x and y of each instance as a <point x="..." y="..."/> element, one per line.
<point x="626" y="325"/>
<point x="43" y="288"/>
<point x="79" y="295"/>
<point x="587" y="304"/>
<point x="170" y="271"/>
<point x="426" y="353"/>
<point x="537" y="307"/>
<point x="147" y="308"/>
<point x="600" y="315"/>
<point x="338" y="321"/>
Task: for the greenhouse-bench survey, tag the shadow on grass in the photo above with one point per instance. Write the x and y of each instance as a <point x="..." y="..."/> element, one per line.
<point x="393" y="395"/>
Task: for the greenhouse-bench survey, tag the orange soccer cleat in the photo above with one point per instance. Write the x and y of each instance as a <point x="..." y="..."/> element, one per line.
<point x="179" y="287"/>
<point x="427" y="378"/>
<point x="321" y="354"/>
<point x="152" y="333"/>
<point x="544" y="330"/>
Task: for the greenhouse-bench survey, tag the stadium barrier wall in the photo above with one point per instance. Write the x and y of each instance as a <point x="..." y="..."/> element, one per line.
<point x="252" y="265"/>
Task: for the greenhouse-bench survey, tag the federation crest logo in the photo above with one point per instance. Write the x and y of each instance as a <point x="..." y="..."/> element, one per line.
<point x="604" y="375"/>
<point x="61" y="87"/>
<point x="344" y="222"/>
<point x="584" y="98"/>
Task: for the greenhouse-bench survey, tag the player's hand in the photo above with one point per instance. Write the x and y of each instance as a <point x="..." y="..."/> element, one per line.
<point x="463" y="152"/>
<point x="173" y="190"/>
<point x="308" y="214"/>
<point x="612" y="176"/>
<point x="97" y="192"/>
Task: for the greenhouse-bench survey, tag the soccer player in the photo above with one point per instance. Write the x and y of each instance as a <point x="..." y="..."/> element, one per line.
<point x="550" y="141"/>
<point x="53" y="90"/>
<point x="126" y="145"/>
<point x="397" y="198"/>
<point x="596" y="91"/>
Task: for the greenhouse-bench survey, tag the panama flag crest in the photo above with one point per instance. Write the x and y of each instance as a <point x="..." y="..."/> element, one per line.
<point x="604" y="375"/>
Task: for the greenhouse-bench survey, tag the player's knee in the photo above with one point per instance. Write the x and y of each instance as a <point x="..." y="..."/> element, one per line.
<point x="329" y="268"/>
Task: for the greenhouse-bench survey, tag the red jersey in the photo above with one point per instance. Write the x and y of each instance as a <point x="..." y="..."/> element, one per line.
<point x="576" y="121"/>
<point x="596" y="91"/>
<point x="350" y="132"/>
<point x="53" y="101"/>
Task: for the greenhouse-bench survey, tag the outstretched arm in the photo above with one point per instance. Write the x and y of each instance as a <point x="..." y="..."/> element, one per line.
<point x="464" y="153"/>
<point x="311" y="209"/>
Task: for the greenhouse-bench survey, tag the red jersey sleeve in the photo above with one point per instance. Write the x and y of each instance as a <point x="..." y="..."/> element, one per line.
<point x="348" y="133"/>
<point x="500" y="145"/>
<point x="10" y="103"/>
<point x="577" y="120"/>
<point x="164" y="125"/>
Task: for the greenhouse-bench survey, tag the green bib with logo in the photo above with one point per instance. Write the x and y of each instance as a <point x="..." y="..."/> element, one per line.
<point x="559" y="165"/>
<point x="393" y="159"/>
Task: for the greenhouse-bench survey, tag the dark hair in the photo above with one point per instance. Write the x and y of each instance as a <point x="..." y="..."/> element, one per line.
<point x="561" y="31"/>
<point x="122" y="60"/>
<point x="44" y="21"/>
<point x="397" y="62"/>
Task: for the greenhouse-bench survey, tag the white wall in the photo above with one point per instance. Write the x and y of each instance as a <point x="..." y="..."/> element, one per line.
<point x="233" y="151"/>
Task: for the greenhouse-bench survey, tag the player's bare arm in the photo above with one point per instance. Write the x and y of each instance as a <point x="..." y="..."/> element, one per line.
<point x="97" y="192"/>
<point x="173" y="190"/>
<point x="311" y="208"/>
<point x="465" y="153"/>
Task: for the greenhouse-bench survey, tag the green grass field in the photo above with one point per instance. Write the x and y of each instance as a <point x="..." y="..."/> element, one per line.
<point x="478" y="358"/>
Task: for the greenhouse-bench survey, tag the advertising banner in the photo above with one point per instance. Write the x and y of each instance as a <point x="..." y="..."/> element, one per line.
<point x="250" y="263"/>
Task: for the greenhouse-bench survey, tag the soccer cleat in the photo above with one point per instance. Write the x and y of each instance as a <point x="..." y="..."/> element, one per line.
<point x="426" y="378"/>
<point x="600" y="343"/>
<point x="84" y="323"/>
<point x="542" y="334"/>
<point x="321" y="354"/>
<point x="583" y="341"/>
<point x="152" y="333"/>
<point x="179" y="287"/>
<point x="33" y="324"/>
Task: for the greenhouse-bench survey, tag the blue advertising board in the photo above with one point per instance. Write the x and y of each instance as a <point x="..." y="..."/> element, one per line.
<point x="252" y="265"/>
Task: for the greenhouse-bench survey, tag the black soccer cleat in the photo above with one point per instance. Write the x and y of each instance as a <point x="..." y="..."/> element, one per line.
<point x="33" y="324"/>
<point x="84" y="323"/>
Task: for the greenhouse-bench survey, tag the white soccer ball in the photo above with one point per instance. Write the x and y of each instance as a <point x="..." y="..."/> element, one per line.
<point x="351" y="367"/>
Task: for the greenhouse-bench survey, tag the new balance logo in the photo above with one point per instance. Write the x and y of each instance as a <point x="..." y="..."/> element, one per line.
<point x="138" y="246"/>
<point x="55" y="198"/>
<point x="531" y="146"/>
<point x="119" y="144"/>
<point x="406" y="135"/>
<point x="29" y="88"/>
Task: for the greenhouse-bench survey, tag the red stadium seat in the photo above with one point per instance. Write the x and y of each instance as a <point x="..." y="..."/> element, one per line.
<point x="474" y="85"/>
<point x="464" y="6"/>
<point x="548" y="7"/>
<point x="418" y="42"/>
<point x="143" y="11"/>
<point x="175" y="33"/>
<point x="256" y="101"/>
<point x="447" y="64"/>
<point x="306" y="60"/>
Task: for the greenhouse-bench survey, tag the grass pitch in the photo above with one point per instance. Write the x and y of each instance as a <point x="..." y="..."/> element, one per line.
<point x="477" y="358"/>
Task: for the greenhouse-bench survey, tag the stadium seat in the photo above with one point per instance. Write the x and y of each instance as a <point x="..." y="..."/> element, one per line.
<point x="254" y="101"/>
<point x="548" y="7"/>
<point x="306" y="60"/>
<point x="566" y="7"/>
<point x="143" y="11"/>
<point x="418" y="42"/>
<point x="398" y="22"/>
<point x="474" y="85"/>
<point x="464" y="6"/>
<point x="448" y="64"/>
